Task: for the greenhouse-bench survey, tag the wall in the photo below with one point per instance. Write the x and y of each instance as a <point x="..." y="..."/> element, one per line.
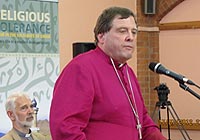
<point x="77" y="20"/>
<point x="179" y="51"/>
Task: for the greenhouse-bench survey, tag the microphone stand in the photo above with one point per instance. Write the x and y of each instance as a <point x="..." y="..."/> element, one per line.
<point x="185" y="87"/>
<point x="163" y="103"/>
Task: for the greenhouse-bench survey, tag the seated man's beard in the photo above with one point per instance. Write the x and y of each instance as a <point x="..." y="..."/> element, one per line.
<point x="25" y="123"/>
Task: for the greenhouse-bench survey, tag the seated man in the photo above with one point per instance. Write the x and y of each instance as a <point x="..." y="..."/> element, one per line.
<point x="19" y="109"/>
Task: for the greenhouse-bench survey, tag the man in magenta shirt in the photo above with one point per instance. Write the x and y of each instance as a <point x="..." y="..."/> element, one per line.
<point x="97" y="96"/>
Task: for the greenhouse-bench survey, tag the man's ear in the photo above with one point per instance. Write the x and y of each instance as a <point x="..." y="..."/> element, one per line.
<point x="11" y="115"/>
<point x="101" y="38"/>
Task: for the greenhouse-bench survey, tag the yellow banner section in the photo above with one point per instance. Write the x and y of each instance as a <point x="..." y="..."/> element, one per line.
<point x="46" y="36"/>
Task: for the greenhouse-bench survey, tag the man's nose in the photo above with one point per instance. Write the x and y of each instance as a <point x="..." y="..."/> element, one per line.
<point x="30" y="110"/>
<point x="130" y="36"/>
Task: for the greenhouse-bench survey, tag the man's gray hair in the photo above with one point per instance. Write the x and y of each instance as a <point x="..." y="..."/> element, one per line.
<point x="10" y="102"/>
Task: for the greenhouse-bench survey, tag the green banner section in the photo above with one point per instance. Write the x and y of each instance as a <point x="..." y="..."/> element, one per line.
<point x="29" y="53"/>
<point x="28" y="26"/>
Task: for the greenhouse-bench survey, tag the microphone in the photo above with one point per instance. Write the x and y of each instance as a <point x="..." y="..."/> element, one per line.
<point x="158" y="68"/>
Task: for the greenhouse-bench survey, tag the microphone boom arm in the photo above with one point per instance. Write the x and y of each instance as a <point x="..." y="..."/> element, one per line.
<point x="186" y="88"/>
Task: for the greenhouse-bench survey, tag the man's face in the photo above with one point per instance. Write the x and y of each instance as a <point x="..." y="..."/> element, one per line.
<point x="23" y="113"/>
<point x="120" y="41"/>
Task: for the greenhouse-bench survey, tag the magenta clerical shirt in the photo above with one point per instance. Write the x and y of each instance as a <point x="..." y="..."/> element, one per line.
<point x="89" y="102"/>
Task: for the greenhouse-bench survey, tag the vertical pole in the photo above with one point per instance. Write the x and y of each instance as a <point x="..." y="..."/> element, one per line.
<point x="35" y="108"/>
<point x="168" y="125"/>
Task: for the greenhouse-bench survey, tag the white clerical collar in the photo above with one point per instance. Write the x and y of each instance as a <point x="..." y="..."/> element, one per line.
<point x="28" y="135"/>
<point x="117" y="64"/>
<point x="120" y="65"/>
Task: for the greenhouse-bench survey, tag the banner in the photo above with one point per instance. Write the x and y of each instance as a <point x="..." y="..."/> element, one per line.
<point x="29" y="53"/>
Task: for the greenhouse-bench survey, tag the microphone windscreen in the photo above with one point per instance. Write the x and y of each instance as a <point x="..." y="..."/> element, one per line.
<point x="152" y="65"/>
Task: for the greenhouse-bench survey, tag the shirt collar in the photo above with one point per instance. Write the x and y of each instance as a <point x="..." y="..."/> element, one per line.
<point x="24" y="135"/>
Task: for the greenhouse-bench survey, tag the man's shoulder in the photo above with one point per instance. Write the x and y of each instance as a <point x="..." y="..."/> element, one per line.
<point x="36" y="136"/>
<point x="7" y="136"/>
<point x="40" y="136"/>
<point x="11" y="135"/>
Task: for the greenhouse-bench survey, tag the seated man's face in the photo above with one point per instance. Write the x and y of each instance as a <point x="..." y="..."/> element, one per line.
<point x="23" y="112"/>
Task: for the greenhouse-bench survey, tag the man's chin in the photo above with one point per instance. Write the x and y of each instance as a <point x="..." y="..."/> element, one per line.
<point x="27" y="124"/>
